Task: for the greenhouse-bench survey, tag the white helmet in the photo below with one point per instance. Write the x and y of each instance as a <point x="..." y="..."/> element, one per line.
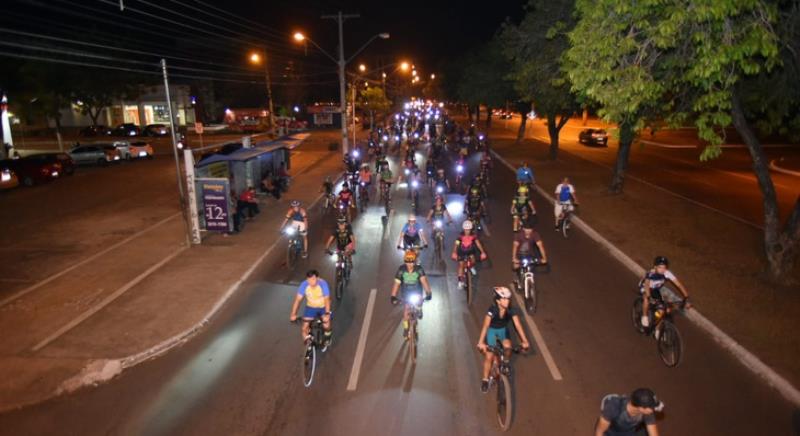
<point x="501" y="292"/>
<point x="412" y="218"/>
<point x="467" y="225"/>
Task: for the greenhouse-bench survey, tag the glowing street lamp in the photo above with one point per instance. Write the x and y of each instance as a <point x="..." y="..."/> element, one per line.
<point x="299" y="37"/>
<point x="433" y="76"/>
<point x="404" y="66"/>
<point x="362" y="68"/>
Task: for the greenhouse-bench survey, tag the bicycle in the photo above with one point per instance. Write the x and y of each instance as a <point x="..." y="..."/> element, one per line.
<point x="567" y="209"/>
<point x="413" y="300"/>
<point x="343" y="267"/>
<point x="438" y="240"/>
<point x="663" y="329"/>
<point x="330" y="202"/>
<point x="414" y="186"/>
<point x="499" y="377"/>
<point x="363" y="196"/>
<point x="315" y="341"/>
<point x="525" y="283"/>
<point x="468" y="273"/>
<point x="295" y="247"/>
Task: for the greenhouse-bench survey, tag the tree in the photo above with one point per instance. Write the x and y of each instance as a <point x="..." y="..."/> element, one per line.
<point x="523" y="107"/>
<point x="535" y="48"/>
<point x="696" y="59"/>
<point x="483" y="79"/>
<point x="96" y="95"/>
<point x="374" y="101"/>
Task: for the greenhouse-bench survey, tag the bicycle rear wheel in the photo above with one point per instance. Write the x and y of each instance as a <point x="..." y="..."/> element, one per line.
<point x="505" y="406"/>
<point x="670" y="345"/>
<point x="530" y="299"/>
<point x="309" y="365"/>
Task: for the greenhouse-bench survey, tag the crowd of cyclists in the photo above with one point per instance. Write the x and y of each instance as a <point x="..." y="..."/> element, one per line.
<point x="423" y="131"/>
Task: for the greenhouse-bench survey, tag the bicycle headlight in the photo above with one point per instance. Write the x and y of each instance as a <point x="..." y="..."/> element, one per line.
<point x="439" y="189"/>
<point x="413" y="299"/>
<point x="438" y="224"/>
<point x="460" y="168"/>
<point x="407" y="171"/>
<point x="524" y="262"/>
<point x="414" y="184"/>
<point x="355" y="153"/>
<point x="290" y="231"/>
<point x="335" y="257"/>
<point x="385" y="137"/>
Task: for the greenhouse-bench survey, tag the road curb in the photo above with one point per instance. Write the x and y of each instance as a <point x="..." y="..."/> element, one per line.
<point x="774" y="167"/>
<point x="745" y="357"/>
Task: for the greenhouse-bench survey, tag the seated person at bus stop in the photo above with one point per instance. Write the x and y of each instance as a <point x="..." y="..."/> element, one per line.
<point x="248" y="203"/>
<point x="268" y="186"/>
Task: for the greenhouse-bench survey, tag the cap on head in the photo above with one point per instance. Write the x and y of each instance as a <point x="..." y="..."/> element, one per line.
<point x="644" y="397"/>
<point x="661" y="260"/>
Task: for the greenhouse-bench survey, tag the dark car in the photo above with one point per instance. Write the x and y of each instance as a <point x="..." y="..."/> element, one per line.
<point x="97" y="130"/>
<point x="66" y="162"/>
<point x="598" y="137"/>
<point x="127" y="129"/>
<point x="36" y="169"/>
<point x="156" y="130"/>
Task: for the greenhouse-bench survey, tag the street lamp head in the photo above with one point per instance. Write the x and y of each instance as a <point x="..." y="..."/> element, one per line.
<point x="384" y="75"/>
<point x="404" y="66"/>
<point x="299" y="37"/>
<point x="433" y="76"/>
<point x="383" y="35"/>
<point x="362" y="68"/>
<point x="255" y="58"/>
<point x="414" y="73"/>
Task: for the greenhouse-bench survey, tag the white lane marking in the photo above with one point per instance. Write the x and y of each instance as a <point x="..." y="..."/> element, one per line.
<point x="743" y="355"/>
<point x="33" y="287"/>
<point x="362" y="342"/>
<point x="537" y="336"/>
<point x="106" y="301"/>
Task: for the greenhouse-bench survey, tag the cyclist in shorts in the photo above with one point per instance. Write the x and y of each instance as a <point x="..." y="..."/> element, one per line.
<point x="318" y="303"/>
<point x="565" y="199"/>
<point x="345" y="200"/>
<point x="495" y="327"/>
<point x="344" y="238"/>
<point x="411" y="237"/>
<point x="465" y="245"/>
<point x="651" y="285"/>
<point x="410" y="278"/>
<point x="299" y="220"/>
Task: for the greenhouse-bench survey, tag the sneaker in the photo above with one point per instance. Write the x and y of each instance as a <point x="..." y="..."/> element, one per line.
<point x="484" y="386"/>
<point x="473" y="271"/>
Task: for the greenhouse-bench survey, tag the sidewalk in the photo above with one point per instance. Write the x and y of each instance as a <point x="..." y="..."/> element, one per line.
<point x="150" y="312"/>
<point x="717" y="258"/>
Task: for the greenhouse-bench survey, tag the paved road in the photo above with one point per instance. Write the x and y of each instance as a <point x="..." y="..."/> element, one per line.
<point x="726" y="183"/>
<point x="242" y="375"/>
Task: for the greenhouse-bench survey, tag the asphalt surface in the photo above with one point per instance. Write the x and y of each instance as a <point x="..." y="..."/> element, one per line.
<point x="726" y="183"/>
<point x="242" y="375"/>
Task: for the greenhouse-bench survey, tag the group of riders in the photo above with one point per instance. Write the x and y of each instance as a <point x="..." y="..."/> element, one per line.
<point x="407" y="135"/>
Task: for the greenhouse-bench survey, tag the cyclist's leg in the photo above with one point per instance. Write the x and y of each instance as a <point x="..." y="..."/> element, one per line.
<point x="306" y="329"/>
<point x="507" y="346"/>
<point x="557" y="209"/>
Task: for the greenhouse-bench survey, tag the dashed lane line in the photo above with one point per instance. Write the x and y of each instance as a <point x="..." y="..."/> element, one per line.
<point x="352" y="384"/>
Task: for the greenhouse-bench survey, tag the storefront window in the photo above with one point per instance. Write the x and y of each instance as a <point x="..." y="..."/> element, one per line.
<point x="160" y="113"/>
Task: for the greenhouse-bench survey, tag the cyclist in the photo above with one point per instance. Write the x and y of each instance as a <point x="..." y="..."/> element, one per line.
<point x="410" y="278"/>
<point x="440" y="179"/>
<point x="486" y="163"/>
<point x="344" y="200"/>
<point x="345" y="239"/>
<point x="299" y="218"/>
<point x="365" y="179"/>
<point x="411" y="235"/>
<point x="439" y="211"/>
<point x="519" y="206"/>
<point x="565" y="199"/>
<point x="327" y="188"/>
<point x="318" y="303"/>
<point x="380" y="161"/>
<point x="466" y="245"/>
<point x="525" y="243"/>
<point x="652" y="283"/>
<point x="386" y="178"/>
<point x="473" y="204"/>
<point x="495" y="327"/>
<point x="621" y="415"/>
<point x="525" y="174"/>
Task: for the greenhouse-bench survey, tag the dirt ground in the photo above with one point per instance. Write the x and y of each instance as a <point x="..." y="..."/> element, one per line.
<point x="718" y="259"/>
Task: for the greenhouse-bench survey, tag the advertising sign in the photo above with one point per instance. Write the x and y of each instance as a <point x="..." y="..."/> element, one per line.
<point x="323" y="119"/>
<point x="216" y="212"/>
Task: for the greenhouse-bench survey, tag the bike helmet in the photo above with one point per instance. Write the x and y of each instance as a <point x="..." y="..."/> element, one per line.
<point x="410" y="256"/>
<point x="341" y="220"/>
<point x="522" y="190"/>
<point x="438" y="197"/>
<point x="661" y="260"/>
<point x="295" y="203"/>
<point x="501" y="292"/>
<point x="467" y="225"/>
<point x="345" y="185"/>
<point x="412" y="218"/>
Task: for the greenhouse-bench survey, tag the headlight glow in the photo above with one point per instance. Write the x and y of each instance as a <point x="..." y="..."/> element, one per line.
<point x="290" y="231"/>
<point x="439" y="189"/>
<point x="414" y="184"/>
<point x="413" y="299"/>
<point x="460" y="168"/>
<point x="438" y="224"/>
<point x="407" y="171"/>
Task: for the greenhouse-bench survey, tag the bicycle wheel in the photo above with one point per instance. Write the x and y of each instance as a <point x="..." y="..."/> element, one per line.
<point x="437" y="258"/>
<point x="412" y="340"/>
<point x="468" y="286"/>
<point x="670" y="345"/>
<point x="636" y="315"/>
<point x="339" y="285"/>
<point x="530" y="299"/>
<point x="309" y="365"/>
<point x="291" y="256"/>
<point x="564" y="225"/>
<point x="505" y="406"/>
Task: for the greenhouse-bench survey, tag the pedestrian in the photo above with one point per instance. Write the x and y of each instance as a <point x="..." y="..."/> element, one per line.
<point x="633" y="415"/>
<point x="248" y="203"/>
<point x="268" y="185"/>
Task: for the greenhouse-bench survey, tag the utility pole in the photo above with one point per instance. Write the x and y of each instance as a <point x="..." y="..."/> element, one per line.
<point x="269" y="94"/>
<point x="173" y="132"/>
<point x="341" y="62"/>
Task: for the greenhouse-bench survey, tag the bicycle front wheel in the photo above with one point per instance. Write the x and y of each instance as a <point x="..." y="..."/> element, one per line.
<point x="530" y="297"/>
<point x="412" y="341"/>
<point x="670" y="345"/>
<point x="339" y="285"/>
<point x="468" y="286"/>
<point x="291" y="256"/>
<point x="504" y="402"/>
<point x="309" y="365"/>
<point x="636" y="315"/>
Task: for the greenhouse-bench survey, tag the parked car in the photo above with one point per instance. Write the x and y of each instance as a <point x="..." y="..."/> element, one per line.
<point x="506" y="116"/>
<point x="122" y="146"/>
<point x="97" y="130"/>
<point x="597" y="137"/>
<point x="156" y="130"/>
<point x="8" y="178"/>
<point x="35" y="169"/>
<point x="100" y="154"/>
<point x="126" y="129"/>
<point x="63" y="159"/>
<point x="140" y="149"/>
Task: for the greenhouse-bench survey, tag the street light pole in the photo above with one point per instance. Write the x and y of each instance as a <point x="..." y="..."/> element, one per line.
<point x="269" y="94"/>
<point x="173" y="132"/>
<point x="342" y="62"/>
